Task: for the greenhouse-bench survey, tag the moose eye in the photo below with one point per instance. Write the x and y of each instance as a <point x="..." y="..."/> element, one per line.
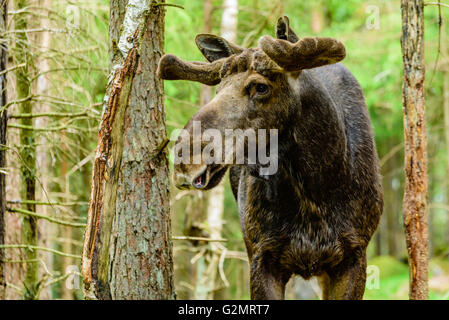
<point x="261" y="88"/>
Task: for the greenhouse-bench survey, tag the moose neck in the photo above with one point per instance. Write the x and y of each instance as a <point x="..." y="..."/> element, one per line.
<point x="313" y="147"/>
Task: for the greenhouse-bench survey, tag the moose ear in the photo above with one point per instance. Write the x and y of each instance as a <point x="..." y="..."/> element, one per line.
<point x="214" y="47"/>
<point x="283" y="30"/>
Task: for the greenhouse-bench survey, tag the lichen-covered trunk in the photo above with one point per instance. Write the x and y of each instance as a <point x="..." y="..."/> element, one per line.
<point x="415" y="197"/>
<point x="3" y="123"/>
<point x="127" y="250"/>
<point x="27" y="150"/>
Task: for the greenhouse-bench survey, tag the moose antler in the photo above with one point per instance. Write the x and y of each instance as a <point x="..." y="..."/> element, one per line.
<point x="283" y="30"/>
<point x="173" y="68"/>
<point x="215" y="49"/>
<point x="306" y="53"/>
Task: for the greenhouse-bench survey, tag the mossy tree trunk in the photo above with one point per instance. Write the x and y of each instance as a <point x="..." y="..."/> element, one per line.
<point x="3" y="123"/>
<point x="27" y="151"/>
<point x="415" y="142"/>
<point x="127" y="250"/>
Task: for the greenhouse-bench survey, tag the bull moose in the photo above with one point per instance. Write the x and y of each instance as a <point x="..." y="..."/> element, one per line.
<point x="315" y="215"/>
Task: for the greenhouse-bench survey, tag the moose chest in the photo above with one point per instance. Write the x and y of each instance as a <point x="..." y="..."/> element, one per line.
<point x="289" y="231"/>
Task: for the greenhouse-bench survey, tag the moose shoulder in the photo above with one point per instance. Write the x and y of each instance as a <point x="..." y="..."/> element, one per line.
<point x="315" y="213"/>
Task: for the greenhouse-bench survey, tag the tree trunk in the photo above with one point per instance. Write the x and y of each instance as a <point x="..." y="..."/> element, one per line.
<point x="415" y="154"/>
<point x="446" y="118"/>
<point x="43" y="165"/>
<point x="392" y="201"/>
<point x="229" y="20"/>
<point x="65" y="232"/>
<point x="3" y="123"/>
<point x="127" y="250"/>
<point x="206" y="91"/>
<point x="317" y="18"/>
<point x="27" y="151"/>
<point x="215" y="207"/>
<point x="197" y="219"/>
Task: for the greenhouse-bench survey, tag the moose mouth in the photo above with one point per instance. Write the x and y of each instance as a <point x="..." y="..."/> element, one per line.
<point x="210" y="177"/>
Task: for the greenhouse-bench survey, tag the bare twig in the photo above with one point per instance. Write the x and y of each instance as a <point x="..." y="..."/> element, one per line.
<point x="391" y="153"/>
<point x="436" y="4"/>
<point x="198" y="239"/>
<point x="48" y="114"/>
<point x="53" y="220"/>
<point x="160" y="4"/>
<point x="29" y="247"/>
<point x="13" y="68"/>
<point x="46" y="203"/>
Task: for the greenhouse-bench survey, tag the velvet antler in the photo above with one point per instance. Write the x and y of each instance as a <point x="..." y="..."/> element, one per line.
<point x="306" y="53"/>
<point x="283" y="30"/>
<point x="173" y="68"/>
<point x="214" y="48"/>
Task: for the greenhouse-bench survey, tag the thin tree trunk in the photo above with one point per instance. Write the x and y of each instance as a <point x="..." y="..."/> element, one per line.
<point x="27" y="150"/>
<point x="215" y="207"/>
<point x="42" y="155"/>
<point x="189" y="275"/>
<point x="206" y="91"/>
<point x="415" y="197"/>
<point x="317" y="18"/>
<point x="127" y="250"/>
<point x="3" y="123"/>
<point x="64" y="231"/>
<point x="229" y="20"/>
<point x="446" y="117"/>
<point x="202" y="287"/>
<point x="390" y="208"/>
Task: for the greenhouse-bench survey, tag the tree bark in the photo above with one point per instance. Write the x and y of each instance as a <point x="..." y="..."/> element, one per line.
<point x="27" y="151"/>
<point x="415" y="197"/>
<point x="3" y="123"/>
<point x="127" y="250"/>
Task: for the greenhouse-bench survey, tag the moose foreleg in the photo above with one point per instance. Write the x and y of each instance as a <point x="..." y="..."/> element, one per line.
<point x="348" y="284"/>
<point x="267" y="283"/>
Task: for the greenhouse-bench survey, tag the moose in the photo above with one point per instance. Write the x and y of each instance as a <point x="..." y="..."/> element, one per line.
<point x="315" y="215"/>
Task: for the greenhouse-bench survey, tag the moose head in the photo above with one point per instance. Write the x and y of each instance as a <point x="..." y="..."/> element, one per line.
<point x="257" y="89"/>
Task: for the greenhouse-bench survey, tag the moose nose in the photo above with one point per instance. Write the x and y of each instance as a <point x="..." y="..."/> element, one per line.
<point x="181" y="181"/>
